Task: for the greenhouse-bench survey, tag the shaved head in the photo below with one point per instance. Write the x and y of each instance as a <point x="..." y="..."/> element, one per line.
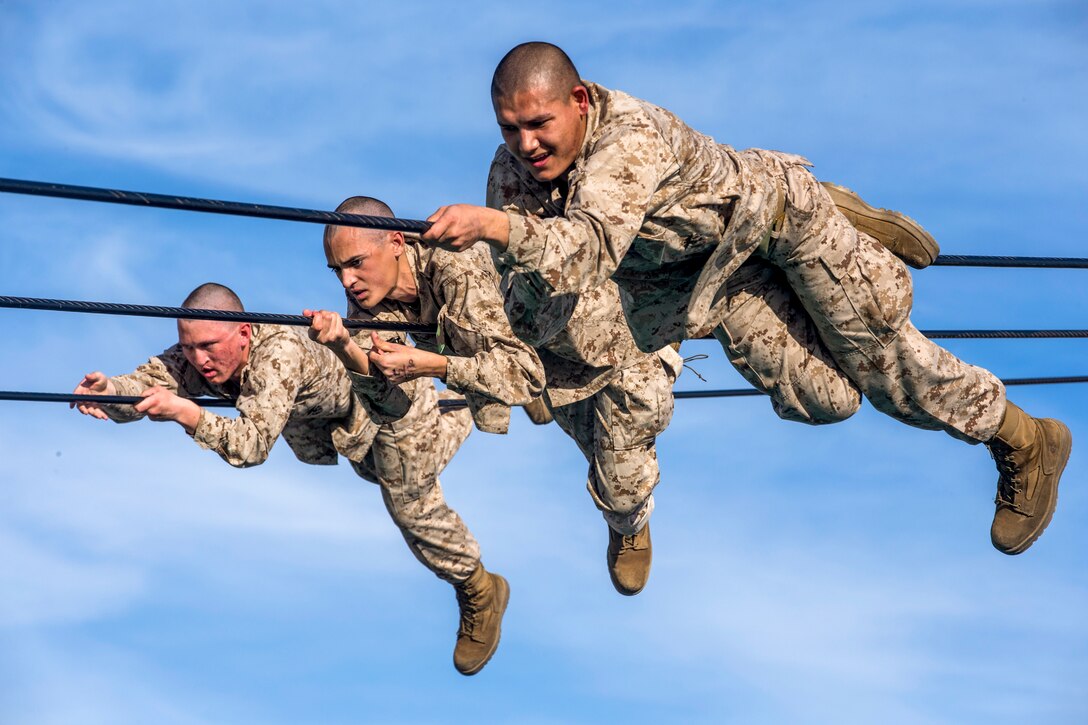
<point x="365" y="205"/>
<point x="366" y="261"/>
<point x="217" y="349"/>
<point x="535" y="64"/>
<point x="212" y="296"/>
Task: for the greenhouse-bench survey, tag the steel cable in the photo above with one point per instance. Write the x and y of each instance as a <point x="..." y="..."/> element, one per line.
<point x="210" y="206"/>
<point x="266" y="211"/>
<point x="13" y="395"/>
<point x="184" y="313"/>
<point x="113" y="308"/>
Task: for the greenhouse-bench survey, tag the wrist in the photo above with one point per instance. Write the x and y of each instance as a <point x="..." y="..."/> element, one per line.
<point x="189" y="416"/>
<point x="353" y="357"/>
<point x="498" y="229"/>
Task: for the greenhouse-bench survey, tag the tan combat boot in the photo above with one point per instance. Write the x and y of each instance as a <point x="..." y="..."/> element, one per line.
<point x="629" y="559"/>
<point x="904" y="237"/>
<point x="482" y="599"/>
<point x="1031" y="454"/>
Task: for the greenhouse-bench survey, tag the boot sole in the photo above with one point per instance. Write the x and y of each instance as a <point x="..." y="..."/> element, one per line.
<point x="502" y="589"/>
<point x="1066" y="449"/>
<point x="883" y="223"/>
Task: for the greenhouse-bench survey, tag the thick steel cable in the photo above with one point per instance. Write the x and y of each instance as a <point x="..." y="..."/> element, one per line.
<point x="265" y="211"/>
<point x="16" y="395"/>
<point x="184" y="313"/>
<point x="1002" y="334"/>
<point x="737" y="393"/>
<point x="211" y="206"/>
<point x="961" y="260"/>
<point x="444" y="404"/>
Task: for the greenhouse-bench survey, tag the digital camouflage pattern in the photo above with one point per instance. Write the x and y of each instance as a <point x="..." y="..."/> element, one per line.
<point x="289" y="385"/>
<point x="616" y="429"/>
<point x="605" y="393"/>
<point x="293" y="386"/>
<point x="405" y="459"/>
<point x="459" y="295"/>
<point x="672" y="216"/>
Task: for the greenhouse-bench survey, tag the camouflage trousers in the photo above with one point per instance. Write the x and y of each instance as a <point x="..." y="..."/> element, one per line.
<point x="822" y="316"/>
<point x="616" y="430"/>
<point x="405" y="460"/>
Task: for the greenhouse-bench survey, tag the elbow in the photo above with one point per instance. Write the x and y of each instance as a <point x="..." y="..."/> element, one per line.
<point x="247" y="461"/>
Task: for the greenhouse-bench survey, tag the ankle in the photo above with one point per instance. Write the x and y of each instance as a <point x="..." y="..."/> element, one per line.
<point x="1017" y="429"/>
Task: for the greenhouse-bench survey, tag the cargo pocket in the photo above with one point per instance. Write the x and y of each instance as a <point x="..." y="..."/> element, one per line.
<point x="638" y="406"/>
<point x="870" y="296"/>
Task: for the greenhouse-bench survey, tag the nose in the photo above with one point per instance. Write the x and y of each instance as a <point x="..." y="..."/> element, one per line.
<point x="527" y="141"/>
<point x="199" y="357"/>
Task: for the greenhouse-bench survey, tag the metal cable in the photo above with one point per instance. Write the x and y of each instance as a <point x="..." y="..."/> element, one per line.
<point x="737" y="393"/>
<point x="29" y="397"/>
<point x="212" y="206"/>
<point x="266" y="211"/>
<point x="113" y="308"/>
<point x="1002" y="334"/>
<point x="443" y="404"/>
<point x="184" y="313"/>
<point x="962" y="260"/>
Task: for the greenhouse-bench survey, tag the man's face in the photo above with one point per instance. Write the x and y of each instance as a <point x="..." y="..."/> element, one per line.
<point x="365" y="262"/>
<point x="542" y="129"/>
<point x="218" y="350"/>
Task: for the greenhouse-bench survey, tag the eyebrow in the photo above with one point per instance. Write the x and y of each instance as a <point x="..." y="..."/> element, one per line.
<point x="356" y="258"/>
<point x="535" y="119"/>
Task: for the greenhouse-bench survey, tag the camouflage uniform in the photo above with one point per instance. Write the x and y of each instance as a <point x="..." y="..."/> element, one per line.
<point x="485" y="361"/>
<point x="748" y="246"/>
<point x="610" y="397"/>
<point x="294" y="387"/>
<point x="459" y="295"/>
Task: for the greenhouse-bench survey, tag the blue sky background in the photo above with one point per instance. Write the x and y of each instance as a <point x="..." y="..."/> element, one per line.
<point x="832" y="575"/>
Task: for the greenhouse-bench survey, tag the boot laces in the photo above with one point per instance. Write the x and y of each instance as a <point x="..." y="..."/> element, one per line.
<point x="468" y="600"/>
<point x="1010" y="482"/>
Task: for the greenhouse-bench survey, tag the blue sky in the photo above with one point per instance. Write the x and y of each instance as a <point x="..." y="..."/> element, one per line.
<point x="832" y="575"/>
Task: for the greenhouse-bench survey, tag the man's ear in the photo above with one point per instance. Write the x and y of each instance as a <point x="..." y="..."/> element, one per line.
<point x="397" y="240"/>
<point x="580" y="95"/>
<point x="245" y="331"/>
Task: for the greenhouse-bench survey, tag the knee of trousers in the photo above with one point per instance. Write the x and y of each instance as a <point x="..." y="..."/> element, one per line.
<point x="621" y="480"/>
<point x="821" y="401"/>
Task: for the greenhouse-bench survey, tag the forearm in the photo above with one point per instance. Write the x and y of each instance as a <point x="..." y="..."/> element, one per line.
<point x="497" y="229"/>
<point x="238" y="441"/>
<point x="509" y="373"/>
<point x="353" y="357"/>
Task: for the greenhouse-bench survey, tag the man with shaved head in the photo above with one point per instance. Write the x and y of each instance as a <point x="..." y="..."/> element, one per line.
<point x="285" y="384"/>
<point x="805" y="297"/>
<point x="391" y="278"/>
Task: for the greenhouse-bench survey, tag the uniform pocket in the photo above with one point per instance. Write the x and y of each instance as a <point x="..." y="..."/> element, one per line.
<point x="872" y="296"/>
<point x="638" y="407"/>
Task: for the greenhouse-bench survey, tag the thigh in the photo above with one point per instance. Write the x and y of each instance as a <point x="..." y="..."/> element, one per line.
<point x="774" y="344"/>
<point x="857" y="293"/>
<point x="578" y="420"/>
<point x="406" y="453"/>
<point x="636" y="406"/>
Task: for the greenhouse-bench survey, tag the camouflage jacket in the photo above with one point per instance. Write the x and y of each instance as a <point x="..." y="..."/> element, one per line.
<point x="290" y="385"/>
<point x="583" y="338"/>
<point x="485" y="361"/>
<point x="662" y="209"/>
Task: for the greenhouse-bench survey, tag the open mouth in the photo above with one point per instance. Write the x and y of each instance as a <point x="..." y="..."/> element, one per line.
<point x="539" y="160"/>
